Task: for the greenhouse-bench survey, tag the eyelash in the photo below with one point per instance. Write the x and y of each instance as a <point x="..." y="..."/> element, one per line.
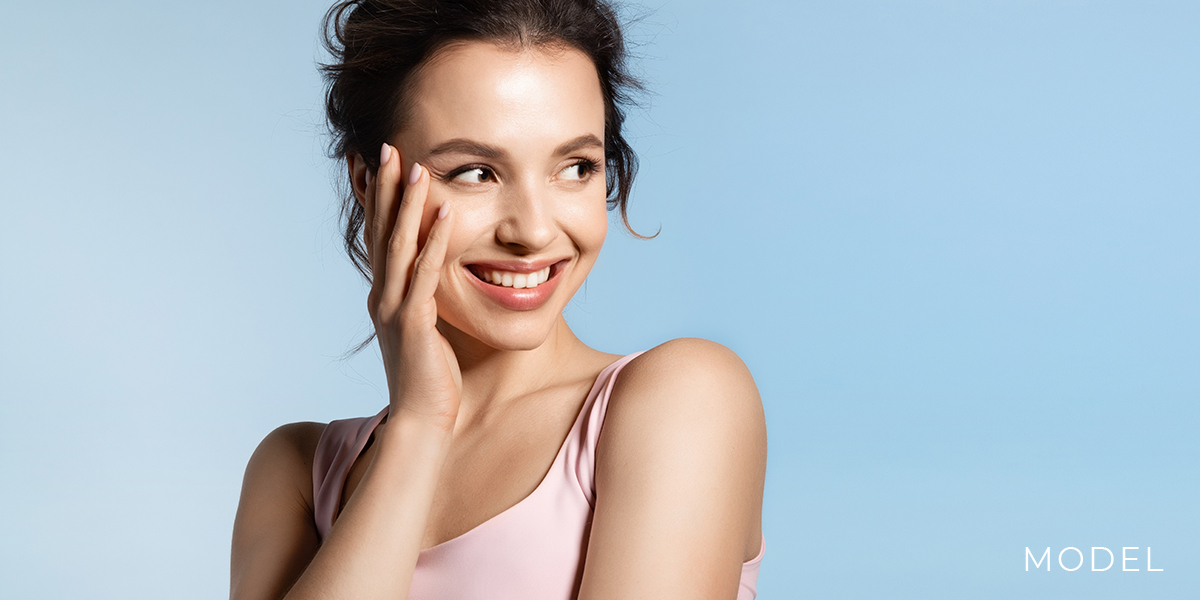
<point x="590" y="165"/>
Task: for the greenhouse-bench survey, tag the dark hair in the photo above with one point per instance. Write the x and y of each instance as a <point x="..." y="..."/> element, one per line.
<point x="378" y="45"/>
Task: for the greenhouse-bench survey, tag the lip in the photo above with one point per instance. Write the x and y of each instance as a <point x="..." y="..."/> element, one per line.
<point x="522" y="299"/>
<point x="518" y="266"/>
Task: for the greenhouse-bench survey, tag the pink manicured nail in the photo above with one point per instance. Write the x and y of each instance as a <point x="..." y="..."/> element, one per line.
<point x="385" y="153"/>
<point x="369" y="177"/>
<point x="415" y="175"/>
<point x="443" y="211"/>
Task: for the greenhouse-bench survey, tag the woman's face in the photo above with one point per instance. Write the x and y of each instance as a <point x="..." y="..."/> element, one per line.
<point x="513" y="142"/>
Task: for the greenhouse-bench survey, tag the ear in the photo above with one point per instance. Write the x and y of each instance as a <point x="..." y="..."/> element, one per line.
<point x="361" y="176"/>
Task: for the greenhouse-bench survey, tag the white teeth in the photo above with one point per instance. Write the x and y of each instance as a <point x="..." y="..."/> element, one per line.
<point x="518" y="280"/>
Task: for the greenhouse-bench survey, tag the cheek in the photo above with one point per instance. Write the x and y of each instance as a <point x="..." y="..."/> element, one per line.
<point x="471" y="228"/>
<point x="590" y="225"/>
<point x="601" y="229"/>
<point x="433" y="203"/>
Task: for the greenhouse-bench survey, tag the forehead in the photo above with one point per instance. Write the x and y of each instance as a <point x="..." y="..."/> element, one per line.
<point x="513" y="97"/>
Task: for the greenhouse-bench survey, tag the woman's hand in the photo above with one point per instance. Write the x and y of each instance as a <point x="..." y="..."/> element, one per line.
<point x="371" y="552"/>
<point x="422" y="372"/>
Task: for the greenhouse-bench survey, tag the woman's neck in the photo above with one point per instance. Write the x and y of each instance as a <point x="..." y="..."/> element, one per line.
<point x="492" y="376"/>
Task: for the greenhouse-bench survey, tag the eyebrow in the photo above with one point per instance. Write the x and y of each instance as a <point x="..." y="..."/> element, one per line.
<point x="465" y="146"/>
<point x="474" y="148"/>
<point x="579" y="143"/>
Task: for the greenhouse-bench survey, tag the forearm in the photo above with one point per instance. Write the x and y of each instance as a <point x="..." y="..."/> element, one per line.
<point x="372" y="550"/>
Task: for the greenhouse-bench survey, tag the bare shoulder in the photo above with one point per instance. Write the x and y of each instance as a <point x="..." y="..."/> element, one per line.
<point x="692" y="374"/>
<point x="286" y="453"/>
<point x="274" y="535"/>
<point x="302" y="435"/>
<point x="680" y="471"/>
<point x="687" y="409"/>
<point x="279" y="473"/>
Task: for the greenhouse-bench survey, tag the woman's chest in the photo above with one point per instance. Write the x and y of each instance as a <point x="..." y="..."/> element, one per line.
<point x="488" y="470"/>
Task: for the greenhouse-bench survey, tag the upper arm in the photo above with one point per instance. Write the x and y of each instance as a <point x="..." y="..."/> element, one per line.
<point x="680" y="467"/>
<point x="274" y="535"/>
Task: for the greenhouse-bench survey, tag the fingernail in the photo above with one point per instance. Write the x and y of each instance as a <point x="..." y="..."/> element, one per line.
<point x="368" y="178"/>
<point x="415" y="175"/>
<point x="443" y="211"/>
<point x="384" y="154"/>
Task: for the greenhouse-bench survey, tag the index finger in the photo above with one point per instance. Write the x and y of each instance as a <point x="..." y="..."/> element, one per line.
<point x="379" y="213"/>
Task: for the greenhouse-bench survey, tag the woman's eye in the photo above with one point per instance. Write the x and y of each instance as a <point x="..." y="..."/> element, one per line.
<point x="476" y="175"/>
<point x="576" y="171"/>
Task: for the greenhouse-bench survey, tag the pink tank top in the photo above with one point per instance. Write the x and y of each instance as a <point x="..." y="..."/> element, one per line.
<point x="534" y="549"/>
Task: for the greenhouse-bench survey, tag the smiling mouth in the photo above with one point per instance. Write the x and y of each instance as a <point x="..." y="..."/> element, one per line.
<point x="513" y="279"/>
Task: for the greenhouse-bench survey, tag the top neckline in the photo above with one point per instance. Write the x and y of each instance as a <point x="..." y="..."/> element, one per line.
<point x="593" y="394"/>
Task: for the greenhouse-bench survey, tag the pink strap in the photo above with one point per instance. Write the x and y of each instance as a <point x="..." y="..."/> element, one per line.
<point x="339" y="446"/>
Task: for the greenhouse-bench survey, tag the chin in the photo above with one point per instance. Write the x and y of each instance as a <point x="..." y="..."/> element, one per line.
<point x="506" y="334"/>
<point x="512" y="344"/>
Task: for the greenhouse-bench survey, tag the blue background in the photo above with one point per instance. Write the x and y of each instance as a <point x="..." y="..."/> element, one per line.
<point x="956" y="242"/>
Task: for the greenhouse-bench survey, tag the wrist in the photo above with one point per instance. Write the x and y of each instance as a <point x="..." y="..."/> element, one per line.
<point x="425" y="434"/>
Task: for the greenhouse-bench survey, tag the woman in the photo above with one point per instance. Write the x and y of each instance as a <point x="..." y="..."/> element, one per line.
<point x="483" y="144"/>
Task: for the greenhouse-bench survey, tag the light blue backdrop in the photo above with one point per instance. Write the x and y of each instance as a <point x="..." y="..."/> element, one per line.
<point x="956" y="242"/>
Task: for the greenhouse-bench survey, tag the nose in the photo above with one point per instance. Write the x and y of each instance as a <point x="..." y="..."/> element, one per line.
<point x="527" y="223"/>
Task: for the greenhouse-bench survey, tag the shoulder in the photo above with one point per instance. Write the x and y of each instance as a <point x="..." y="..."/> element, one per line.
<point x="290" y="442"/>
<point x="680" y="470"/>
<point x="684" y="357"/>
<point x="274" y="535"/>
<point x="681" y="394"/>
<point x="688" y="373"/>
<point x="282" y="462"/>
